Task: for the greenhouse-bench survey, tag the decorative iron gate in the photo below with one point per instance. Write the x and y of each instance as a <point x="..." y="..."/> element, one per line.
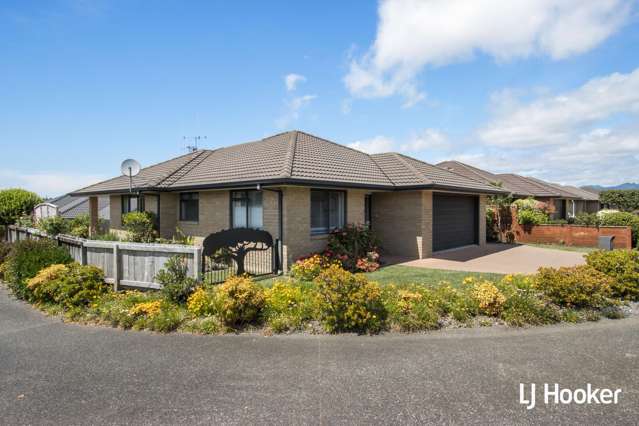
<point x="239" y="251"/>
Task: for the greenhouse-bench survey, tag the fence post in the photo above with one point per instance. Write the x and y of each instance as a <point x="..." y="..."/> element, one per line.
<point x="83" y="256"/>
<point x="197" y="263"/>
<point x="116" y="267"/>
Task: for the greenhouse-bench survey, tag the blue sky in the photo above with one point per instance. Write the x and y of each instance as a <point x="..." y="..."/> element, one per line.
<point x="548" y="88"/>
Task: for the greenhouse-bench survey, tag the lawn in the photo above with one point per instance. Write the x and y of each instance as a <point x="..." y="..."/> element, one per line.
<point x="399" y="274"/>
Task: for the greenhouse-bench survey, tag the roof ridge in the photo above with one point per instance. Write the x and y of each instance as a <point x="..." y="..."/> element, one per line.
<point x="334" y="143"/>
<point x="381" y="169"/>
<point x="469" y="168"/>
<point x="402" y="158"/>
<point x="170" y="178"/>
<point x="287" y="172"/>
<point x="157" y="181"/>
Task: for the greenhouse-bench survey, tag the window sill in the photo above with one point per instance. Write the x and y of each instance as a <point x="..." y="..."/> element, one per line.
<point x="189" y="222"/>
<point x="319" y="236"/>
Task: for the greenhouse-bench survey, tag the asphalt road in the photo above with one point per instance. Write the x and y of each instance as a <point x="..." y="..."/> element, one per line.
<point x="59" y="373"/>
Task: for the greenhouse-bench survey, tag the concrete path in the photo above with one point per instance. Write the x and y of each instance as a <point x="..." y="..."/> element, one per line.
<point x="500" y="258"/>
<point x="56" y="373"/>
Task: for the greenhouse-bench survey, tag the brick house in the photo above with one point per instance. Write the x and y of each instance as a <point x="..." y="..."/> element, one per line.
<point x="299" y="187"/>
<point x="566" y="201"/>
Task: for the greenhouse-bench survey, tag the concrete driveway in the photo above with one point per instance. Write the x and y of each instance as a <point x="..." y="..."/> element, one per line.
<point x="56" y="373"/>
<point x="499" y="258"/>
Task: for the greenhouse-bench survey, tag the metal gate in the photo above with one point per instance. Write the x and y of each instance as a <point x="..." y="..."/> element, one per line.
<point x="239" y="251"/>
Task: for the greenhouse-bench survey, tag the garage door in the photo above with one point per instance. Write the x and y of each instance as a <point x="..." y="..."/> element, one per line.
<point x="455" y="220"/>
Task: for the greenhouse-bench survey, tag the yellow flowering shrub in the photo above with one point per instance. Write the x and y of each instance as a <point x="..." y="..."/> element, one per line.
<point x="349" y="302"/>
<point x="489" y="298"/>
<point x="149" y="309"/>
<point x="307" y="269"/>
<point x="411" y="309"/>
<point x="454" y="302"/>
<point x="45" y="275"/>
<point x="287" y="306"/>
<point x="200" y="303"/>
<point x="238" y="301"/>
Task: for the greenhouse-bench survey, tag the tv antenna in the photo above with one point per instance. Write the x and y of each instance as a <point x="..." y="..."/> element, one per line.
<point x="130" y="168"/>
<point x="194" y="140"/>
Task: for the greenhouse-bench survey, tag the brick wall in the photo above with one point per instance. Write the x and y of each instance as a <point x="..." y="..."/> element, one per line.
<point x="482" y="220"/>
<point x="403" y="222"/>
<point x="571" y="235"/>
<point x="115" y="212"/>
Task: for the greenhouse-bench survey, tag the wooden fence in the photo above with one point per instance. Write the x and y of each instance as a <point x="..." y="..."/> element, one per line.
<point x="127" y="264"/>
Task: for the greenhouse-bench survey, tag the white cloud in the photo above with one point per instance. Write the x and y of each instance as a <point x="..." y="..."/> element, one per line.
<point x="414" y="34"/>
<point x="293" y="108"/>
<point x="555" y="119"/>
<point x="48" y="184"/>
<point x="374" y="145"/>
<point x="427" y="139"/>
<point x="292" y="80"/>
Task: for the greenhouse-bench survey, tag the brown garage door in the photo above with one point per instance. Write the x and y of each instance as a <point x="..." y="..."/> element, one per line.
<point x="455" y="220"/>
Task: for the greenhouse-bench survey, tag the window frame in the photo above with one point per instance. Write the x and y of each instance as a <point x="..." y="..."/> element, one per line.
<point x="125" y="203"/>
<point x="344" y="211"/>
<point x="246" y="197"/>
<point x="182" y="212"/>
<point x="368" y="210"/>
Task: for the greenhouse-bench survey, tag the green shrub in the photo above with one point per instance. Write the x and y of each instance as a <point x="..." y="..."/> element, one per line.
<point x="238" y="301"/>
<point x="531" y="217"/>
<point x="79" y="226"/>
<point x="109" y="236"/>
<point x="54" y="225"/>
<point x="288" y="306"/>
<point x="622" y="266"/>
<point x="125" y="309"/>
<point x="622" y="219"/>
<point x="5" y="249"/>
<point x="15" y="203"/>
<point x="411" y="308"/>
<point x="525" y="305"/>
<point x="71" y="285"/>
<point x="349" y="302"/>
<point x="27" y="258"/>
<point x="575" y="287"/>
<point x="351" y="244"/>
<point x="140" y="226"/>
<point x="177" y="286"/>
<point x="456" y="303"/>
<point x="587" y="219"/>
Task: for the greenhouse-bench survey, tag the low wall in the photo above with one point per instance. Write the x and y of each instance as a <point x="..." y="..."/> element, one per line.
<point x="571" y="235"/>
<point x="128" y="264"/>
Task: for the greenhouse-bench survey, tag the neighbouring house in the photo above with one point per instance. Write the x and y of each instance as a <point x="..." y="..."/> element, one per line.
<point x="70" y="207"/>
<point x="299" y="187"/>
<point x="566" y="201"/>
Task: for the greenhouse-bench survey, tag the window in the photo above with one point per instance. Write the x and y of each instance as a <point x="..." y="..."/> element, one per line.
<point x="246" y="209"/>
<point x="368" y="215"/>
<point x="328" y="211"/>
<point x="130" y="203"/>
<point x="189" y="206"/>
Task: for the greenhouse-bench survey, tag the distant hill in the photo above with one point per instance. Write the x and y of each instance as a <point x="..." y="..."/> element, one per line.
<point x="600" y="188"/>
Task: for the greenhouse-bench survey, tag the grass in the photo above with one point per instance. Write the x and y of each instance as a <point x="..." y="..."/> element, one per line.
<point x="563" y="247"/>
<point x="399" y="274"/>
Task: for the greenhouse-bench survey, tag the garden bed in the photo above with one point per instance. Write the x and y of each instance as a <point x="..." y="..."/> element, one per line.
<point x="321" y="297"/>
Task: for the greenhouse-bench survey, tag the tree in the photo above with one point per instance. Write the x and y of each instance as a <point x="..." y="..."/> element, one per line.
<point x="622" y="199"/>
<point x="15" y="203"/>
<point x="501" y="206"/>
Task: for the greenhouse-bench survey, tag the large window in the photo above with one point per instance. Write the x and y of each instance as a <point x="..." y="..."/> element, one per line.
<point x="328" y="211"/>
<point x="130" y="203"/>
<point x="189" y="206"/>
<point x="246" y="209"/>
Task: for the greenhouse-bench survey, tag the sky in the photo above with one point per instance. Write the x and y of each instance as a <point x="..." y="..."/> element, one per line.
<point x="547" y="88"/>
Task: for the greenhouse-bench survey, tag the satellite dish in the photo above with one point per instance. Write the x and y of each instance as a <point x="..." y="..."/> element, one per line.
<point x="130" y="167"/>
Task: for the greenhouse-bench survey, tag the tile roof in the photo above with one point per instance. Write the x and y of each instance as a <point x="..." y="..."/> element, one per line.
<point x="290" y="158"/>
<point x="483" y="176"/>
<point x="524" y="185"/>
